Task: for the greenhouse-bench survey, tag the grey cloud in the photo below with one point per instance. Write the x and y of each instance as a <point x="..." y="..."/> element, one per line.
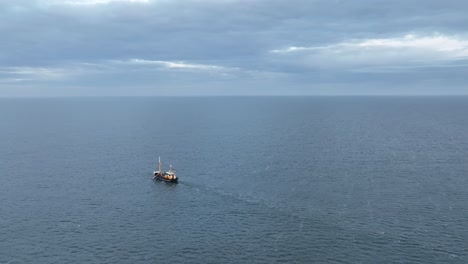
<point x="234" y="34"/>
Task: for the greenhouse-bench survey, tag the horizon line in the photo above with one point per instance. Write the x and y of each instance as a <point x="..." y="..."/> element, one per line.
<point x="181" y="96"/>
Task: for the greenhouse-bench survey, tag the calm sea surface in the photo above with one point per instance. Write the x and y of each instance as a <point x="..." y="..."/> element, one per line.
<point x="262" y="180"/>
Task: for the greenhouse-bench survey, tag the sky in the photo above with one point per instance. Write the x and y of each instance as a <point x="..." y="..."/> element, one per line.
<point x="233" y="47"/>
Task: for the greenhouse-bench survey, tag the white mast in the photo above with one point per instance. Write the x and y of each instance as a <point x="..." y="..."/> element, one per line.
<point x="159" y="165"/>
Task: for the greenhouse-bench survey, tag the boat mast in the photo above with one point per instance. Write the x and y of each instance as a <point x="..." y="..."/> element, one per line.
<point x="159" y="165"/>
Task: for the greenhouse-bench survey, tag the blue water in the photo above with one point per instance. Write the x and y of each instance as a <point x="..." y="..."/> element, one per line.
<point x="262" y="180"/>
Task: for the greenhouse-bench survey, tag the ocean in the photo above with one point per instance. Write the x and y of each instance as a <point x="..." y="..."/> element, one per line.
<point x="262" y="180"/>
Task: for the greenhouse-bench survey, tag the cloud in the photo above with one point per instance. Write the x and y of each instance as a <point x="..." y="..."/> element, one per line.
<point x="93" y="2"/>
<point x="31" y="73"/>
<point x="58" y="73"/>
<point x="197" y="68"/>
<point x="142" y="70"/>
<point x="275" y="42"/>
<point x="396" y="53"/>
<point x="175" y="65"/>
<point x="438" y="43"/>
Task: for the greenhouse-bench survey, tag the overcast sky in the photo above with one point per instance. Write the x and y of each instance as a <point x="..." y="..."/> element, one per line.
<point x="233" y="47"/>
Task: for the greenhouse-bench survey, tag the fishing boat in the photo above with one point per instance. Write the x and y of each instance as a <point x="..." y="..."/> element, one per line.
<point x="168" y="176"/>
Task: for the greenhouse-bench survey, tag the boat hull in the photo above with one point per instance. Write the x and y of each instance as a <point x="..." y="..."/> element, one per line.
<point x="161" y="178"/>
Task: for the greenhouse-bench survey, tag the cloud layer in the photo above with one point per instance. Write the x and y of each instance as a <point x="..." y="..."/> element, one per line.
<point x="407" y="51"/>
<point x="191" y="47"/>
